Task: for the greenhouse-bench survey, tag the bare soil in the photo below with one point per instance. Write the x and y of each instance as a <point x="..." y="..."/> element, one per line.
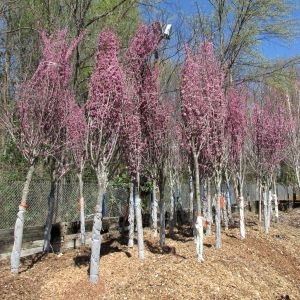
<point x="259" y="267"/>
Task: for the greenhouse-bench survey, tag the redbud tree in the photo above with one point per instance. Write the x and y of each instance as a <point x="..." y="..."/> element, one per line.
<point x="236" y="130"/>
<point x="77" y="133"/>
<point x="203" y="113"/>
<point x="104" y="111"/>
<point x="138" y="69"/>
<point x="269" y="128"/>
<point x="39" y="120"/>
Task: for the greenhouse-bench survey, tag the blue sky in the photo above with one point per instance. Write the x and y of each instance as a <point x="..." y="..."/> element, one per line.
<point x="271" y="49"/>
<point x="276" y="49"/>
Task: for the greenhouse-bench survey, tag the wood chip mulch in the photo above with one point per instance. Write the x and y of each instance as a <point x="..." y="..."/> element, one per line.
<point x="259" y="267"/>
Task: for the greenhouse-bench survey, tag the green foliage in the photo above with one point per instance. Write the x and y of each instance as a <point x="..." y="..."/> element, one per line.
<point x="287" y="175"/>
<point x="239" y="26"/>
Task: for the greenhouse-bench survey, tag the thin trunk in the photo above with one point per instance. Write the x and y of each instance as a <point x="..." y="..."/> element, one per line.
<point x="275" y="201"/>
<point x="81" y="206"/>
<point x="236" y="191"/>
<point x="199" y="238"/>
<point x="131" y="217"/>
<point x="197" y="182"/>
<point x="209" y="208"/>
<point x="162" y="221"/>
<point x="242" y="213"/>
<point x="172" y="209"/>
<point x="265" y="200"/>
<point x="218" y="213"/>
<point x="228" y="200"/>
<point x="139" y="222"/>
<point x="297" y="171"/>
<point x="51" y="204"/>
<point x="19" y="225"/>
<point x="259" y="201"/>
<point x="154" y="210"/>
<point x="269" y="206"/>
<point x="191" y="197"/>
<point x="256" y="193"/>
<point x="224" y="214"/>
<point x="178" y="206"/>
<point x="269" y="202"/>
<point x="97" y="226"/>
<point x="204" y="198"/>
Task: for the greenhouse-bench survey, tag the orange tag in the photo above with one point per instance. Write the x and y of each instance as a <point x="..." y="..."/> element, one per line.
<point x="80" y="203"/>
<point x="23" y="205"/>
<point x="222" y="202"/>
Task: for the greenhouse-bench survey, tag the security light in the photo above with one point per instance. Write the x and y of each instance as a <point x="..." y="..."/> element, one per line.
<point x="167" y="31"/>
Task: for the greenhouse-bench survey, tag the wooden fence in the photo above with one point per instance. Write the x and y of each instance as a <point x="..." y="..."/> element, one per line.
<point x="64" y="235"/>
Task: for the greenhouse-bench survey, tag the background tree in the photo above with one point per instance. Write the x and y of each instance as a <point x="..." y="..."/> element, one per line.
<point x="269" y="131"/>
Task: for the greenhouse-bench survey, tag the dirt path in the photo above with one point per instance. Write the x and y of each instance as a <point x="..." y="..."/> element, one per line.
<point x="260" y="267"/>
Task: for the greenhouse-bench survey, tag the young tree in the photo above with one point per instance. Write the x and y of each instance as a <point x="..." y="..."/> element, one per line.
<point x="158" y="152"/>
<point x="58" y="53"/>
<point x="133" y="147"/>
<point x="236" y="133"/>
<point x="204" y="113"/>
<point x="195" y="113"/>
<point x="77" y="139"/>
<point x="42" y="99"/>
<point x="104" y="108"/>
<point x="140" y="49"/>
<point x="269" y="131"/>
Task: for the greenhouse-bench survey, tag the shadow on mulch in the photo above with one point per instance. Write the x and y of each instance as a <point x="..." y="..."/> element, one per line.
<point x="156" y="249"/>
<point x="32" y="260"/>
<point x="106" y="248"/>
<point x="232" y="236"/>
<point x="184" y="234"/>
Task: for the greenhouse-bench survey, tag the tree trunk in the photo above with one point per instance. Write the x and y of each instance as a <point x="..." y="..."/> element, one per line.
<point x="259" y="201"/>
<point x="218" y="212"/>
<point x="162" y="220"/>
<point x="81" y="206"/>
<point x="19" y="225"/>
<point x="197" y="181"/>
<point x="191" y="197"/>
<point x="265" y="200"/>
<point x="256" y="193"/>
<point x="242" y="217"/>
<point x="225" y="216"/>
<point x="131" y="217"/>
<point x="297" y="171"/>
<point x="154" y="210"/>
<point x="269" y="206"/>
<point x="178" y="206"/>
<point x="139" y="223"/>
<point x="275" y="201"/>
<point x="172" y="212"/>
<point x="97" y="226"/>
<point x="228" y="200"/>
<point x="199" y="238"/>
<point x="51" y="204"/>
<point x="242" y="213"/>
<point x="209" y="208"/>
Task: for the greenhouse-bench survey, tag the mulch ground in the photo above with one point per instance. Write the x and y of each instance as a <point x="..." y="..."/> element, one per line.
<point x="260" y="267"/>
